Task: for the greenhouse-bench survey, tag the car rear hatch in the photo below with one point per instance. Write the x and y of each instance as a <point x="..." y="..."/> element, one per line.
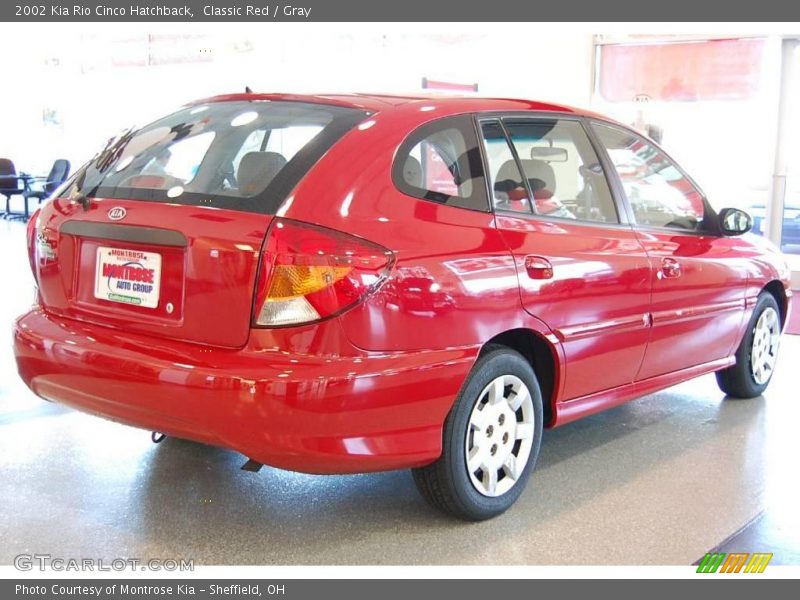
<point x="161" y="233"/>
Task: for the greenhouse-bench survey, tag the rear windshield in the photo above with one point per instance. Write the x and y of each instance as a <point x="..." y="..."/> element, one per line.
<point x="244" y="155"/>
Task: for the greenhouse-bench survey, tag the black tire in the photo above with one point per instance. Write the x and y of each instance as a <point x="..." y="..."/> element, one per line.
<point x="446" y="483"/>
<point x="738" y="380"/>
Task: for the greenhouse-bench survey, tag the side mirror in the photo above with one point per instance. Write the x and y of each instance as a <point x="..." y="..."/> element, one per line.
<point x="733" y="221"/>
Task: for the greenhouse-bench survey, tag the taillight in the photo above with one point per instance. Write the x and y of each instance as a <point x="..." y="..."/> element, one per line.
<point x="310" y="273"/>
<point x="32" y="230"/>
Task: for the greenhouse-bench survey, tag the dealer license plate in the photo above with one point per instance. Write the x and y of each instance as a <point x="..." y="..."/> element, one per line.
<point x="128" y="276"/>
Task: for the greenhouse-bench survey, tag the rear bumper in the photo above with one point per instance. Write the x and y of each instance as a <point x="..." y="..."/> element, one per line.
<point x="361" y="412"/>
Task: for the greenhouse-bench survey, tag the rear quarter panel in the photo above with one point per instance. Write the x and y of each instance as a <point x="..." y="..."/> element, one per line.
<point x="472" y="287"/>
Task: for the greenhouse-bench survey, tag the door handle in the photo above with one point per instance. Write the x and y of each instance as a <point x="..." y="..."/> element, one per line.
<point x="538" y="267"/>
<point x="670" y="267"/>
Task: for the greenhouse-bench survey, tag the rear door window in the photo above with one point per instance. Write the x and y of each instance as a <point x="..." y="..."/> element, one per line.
<point x="563" y="172"/>
<point x="508" y="189"/>
<point x="242" y="155"/>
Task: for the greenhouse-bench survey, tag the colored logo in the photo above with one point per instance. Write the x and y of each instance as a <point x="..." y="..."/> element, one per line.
<point x="117" y="213"/>
<point x="131" y="276"/>
<point x="737" y="562"/>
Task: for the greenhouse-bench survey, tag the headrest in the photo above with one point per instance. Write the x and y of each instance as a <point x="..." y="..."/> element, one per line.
<point x="412" y="172"/>
<point x="257" y="170"/>
<point x="540" y="175"/>
<point x="508" y="173"/>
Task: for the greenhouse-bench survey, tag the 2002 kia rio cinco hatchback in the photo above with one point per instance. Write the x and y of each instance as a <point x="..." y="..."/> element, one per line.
<point x="337" y="284"/>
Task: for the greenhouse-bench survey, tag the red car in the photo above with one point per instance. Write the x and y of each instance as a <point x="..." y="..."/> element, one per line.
<point x="230" y="274"/>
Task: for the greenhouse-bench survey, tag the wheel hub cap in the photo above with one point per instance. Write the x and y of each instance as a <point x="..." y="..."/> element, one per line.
<point x="499" y="435"/>
<point x="764" y="352"/>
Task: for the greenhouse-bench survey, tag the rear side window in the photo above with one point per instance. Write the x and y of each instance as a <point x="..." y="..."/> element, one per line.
<point x="441" y="162"/>
<point x="244" y="155"/>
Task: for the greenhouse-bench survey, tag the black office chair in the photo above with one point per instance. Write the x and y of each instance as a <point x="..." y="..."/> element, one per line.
<point x="11" y="184"/>
<point x="41" y="187"/>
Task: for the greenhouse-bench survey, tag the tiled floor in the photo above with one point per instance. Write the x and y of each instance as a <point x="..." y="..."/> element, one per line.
<point x="658" y="481"/>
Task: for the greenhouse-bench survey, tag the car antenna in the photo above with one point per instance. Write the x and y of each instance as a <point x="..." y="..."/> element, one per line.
<point x="247" y="90"/>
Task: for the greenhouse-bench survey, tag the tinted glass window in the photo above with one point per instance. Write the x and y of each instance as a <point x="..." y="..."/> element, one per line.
<point x="179" y="161"/>
<point x="239" y="155"/>
<point x="660" y="195"/>
<point x="441" y="162"/>
<point x="562" y="170"/>
<point x="287" y="142"/>
<point x="508" y="189"/>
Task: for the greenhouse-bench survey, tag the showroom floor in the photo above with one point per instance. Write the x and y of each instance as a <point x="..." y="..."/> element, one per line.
<point x="658" y="481"/>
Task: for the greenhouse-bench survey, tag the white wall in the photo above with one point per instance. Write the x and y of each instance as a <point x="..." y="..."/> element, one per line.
<point x="72" y="72"/>
<point x="726" y="146"/>
<point x="71" y="69"/>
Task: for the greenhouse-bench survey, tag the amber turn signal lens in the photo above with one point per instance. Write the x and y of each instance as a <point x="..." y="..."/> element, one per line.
<point x="290" y="281"/>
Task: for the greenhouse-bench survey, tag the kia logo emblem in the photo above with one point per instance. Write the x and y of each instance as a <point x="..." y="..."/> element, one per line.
<point x="117" y="213"/>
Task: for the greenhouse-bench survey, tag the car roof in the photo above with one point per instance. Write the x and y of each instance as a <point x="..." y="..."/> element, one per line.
<point x="384" y="102"/>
